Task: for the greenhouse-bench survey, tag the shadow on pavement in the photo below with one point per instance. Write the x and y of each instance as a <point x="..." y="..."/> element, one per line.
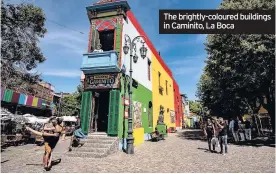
<point x="197" y="134"/>
<point x="205" y="149"/>
<point x="192" y="134"/>
<point x="53" y="163"/>
<point x="259" y="141"/>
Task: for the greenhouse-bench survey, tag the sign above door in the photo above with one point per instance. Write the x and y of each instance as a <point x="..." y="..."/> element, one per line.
<point x="101" y="81"/>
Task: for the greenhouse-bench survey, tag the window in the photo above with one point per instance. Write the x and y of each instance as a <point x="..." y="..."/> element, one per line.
<point x="107" y="40"/>
<point x="159" y="77"/>
<point x="149" y="63"/>
<point x="166" y="87"/>
<point x="150" y="122"/>
<point x="160" y="87"/>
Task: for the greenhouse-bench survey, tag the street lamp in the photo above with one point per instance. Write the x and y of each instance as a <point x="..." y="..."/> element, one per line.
<point x="131" y="45"/>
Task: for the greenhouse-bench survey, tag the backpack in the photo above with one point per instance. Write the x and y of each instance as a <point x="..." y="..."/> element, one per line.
<point x="236" y="126"/>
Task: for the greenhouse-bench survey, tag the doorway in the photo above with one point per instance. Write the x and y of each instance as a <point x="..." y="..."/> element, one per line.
<point x="101" y="111"/>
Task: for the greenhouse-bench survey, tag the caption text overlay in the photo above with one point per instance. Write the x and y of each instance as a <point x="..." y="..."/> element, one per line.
<point x="216" y="21"/>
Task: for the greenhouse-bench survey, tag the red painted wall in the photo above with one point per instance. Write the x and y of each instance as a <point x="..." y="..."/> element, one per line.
<point x="177" y="104"/>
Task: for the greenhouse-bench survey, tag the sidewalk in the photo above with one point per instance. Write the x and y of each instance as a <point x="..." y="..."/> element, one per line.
<point x="62" y="146"/>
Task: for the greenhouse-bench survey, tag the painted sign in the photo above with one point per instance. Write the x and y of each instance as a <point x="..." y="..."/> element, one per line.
<point x="172" y="115"/>
<point x="101" y="81"/>
<point x="137" y="114"/>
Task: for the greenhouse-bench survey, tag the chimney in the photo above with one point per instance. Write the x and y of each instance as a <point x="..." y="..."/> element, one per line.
<point x="159" y="53"/>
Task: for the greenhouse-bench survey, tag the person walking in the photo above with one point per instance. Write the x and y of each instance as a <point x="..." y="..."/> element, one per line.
<point x="222" y="125"/>
<point x="241" y="130"/>
<point x="247" y="129"/>
<point x="233" y="128"/>
<point x="209" y="132"/>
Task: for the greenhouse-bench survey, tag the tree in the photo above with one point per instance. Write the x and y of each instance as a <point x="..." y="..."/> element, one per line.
<point x="22" y="26"/>
<point x="240" y="69"/>
<point x="78" y="94"/>
<point x="195" y="107"/>
<point x="71" y="104"/>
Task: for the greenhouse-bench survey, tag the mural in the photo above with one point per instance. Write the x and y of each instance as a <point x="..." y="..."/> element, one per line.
<point x="137" y="114"/>
<point x="161" y="116"/>
<point x="101" y="81"/>
<point x="172" y="114"/>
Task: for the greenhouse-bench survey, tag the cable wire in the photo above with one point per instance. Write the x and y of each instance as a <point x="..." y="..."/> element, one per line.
<point x="64" y="26"/>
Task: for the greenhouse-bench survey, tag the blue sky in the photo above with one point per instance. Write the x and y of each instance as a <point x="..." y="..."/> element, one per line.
<point x="63" y="48"/>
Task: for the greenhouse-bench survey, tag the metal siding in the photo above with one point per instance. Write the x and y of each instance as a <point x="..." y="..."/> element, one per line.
<point x="22" y="99"/>
<point x="15" y="97"/>
<point x="8" y="95"/>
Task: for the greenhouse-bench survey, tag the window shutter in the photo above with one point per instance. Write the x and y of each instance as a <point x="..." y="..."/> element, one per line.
<point x="113" y="116"/>
<point x="86" y="103"/>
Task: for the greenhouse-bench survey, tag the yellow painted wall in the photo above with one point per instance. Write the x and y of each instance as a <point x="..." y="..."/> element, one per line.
<point x="157" y="99"/>
<point x="138" y="135"/>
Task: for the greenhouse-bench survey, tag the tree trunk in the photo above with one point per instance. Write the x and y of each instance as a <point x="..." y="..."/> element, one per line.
<point x="257" y="125"/>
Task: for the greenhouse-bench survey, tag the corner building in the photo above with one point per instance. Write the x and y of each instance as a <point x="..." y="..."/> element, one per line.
<point x="105" y="67"/>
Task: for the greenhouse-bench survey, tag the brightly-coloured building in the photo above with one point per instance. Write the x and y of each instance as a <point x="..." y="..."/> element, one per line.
<point x="106" y="77"/>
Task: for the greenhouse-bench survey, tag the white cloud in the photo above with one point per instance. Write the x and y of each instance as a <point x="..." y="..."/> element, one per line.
<point x="71" y="41"/>
<point x="62" y="73"/>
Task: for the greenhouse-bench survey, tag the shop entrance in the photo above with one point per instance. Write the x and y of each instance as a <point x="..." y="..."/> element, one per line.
<point x="101" y="106"/>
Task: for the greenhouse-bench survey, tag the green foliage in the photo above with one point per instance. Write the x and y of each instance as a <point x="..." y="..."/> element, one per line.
<point x="21" y="27"/>
<point x="71" y="104"/>
<point x="195" y="107"/>
<point x="240" y="69"/>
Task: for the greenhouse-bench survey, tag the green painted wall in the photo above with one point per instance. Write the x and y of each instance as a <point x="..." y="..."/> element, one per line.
<point x="142" y="95"/>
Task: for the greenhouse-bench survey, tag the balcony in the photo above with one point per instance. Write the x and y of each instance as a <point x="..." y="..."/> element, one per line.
<point x="100" y="62"/>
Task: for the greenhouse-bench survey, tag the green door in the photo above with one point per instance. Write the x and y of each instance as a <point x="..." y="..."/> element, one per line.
<point x="86" y="105"/>
<point x="113" y="114"/>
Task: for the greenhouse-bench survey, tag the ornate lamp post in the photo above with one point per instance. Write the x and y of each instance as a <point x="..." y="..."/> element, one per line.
<point x="131" y="45"/>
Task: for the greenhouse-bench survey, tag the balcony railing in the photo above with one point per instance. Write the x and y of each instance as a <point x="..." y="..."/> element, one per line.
<point x="100" y="62"/>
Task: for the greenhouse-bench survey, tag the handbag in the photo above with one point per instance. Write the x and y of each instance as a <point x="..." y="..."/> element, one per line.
<point x="215" y="142"/>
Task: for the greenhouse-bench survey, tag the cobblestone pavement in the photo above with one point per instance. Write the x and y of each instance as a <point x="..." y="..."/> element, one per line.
<point x="175" y="154"/>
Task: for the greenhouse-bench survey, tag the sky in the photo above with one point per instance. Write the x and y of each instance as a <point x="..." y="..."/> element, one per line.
<point x="63" y="47"/>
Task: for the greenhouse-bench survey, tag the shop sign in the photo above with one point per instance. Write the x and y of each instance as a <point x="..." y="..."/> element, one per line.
<point x="101" y="81"/>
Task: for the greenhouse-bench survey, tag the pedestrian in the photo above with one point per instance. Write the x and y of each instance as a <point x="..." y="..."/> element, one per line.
<point x="241" y="130"/>
<point x="209" y="132"/>
<point x="247" y="129"/>
<point x="52" y="139"/>
<point x="233" y="128"/>
<point x="222" y="135"/>
<point x="78" y="122"/>
<point x="77" y="135"/>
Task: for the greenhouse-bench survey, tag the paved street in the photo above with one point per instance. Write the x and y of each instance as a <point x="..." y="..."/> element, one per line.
<point x="176" y="154"/>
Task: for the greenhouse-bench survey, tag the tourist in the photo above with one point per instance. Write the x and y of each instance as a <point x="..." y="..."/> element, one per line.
<point x="52" y="139"/>
<point x="78" y="122"/>
<point x="247" y="129"/>
<point x="241" y="130"/>
<point x="77" y="135"/>
<point x="209" y="132"/>
<point x="234" y="127"/>
<point x="222" y="135"/>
